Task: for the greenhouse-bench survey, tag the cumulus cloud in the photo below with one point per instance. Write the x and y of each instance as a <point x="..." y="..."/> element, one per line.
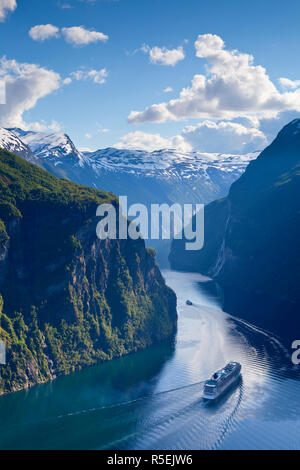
<point x="86" y="149"/>
<point x="97" y="76"/>
<point x="80" y="36"/>
<point x="233" y="87"/>
<point x="168" y="89"/>
<point x="207" y="137"/>
<point x="43" y="126"/>
<point x="6" y="6"/>
<point x="224" y="137"/>
<point x="164" y="56"/>
<point x="76" y="35"/>
<point x="42" y="32"/>
<point x="289" y="84"/>
<point x="67" y="81"/>
<point x="25" y="85"/>
<point x="144" y="141"/>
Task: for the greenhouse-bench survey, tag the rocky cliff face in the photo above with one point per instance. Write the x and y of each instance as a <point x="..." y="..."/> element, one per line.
<point x="251" y="237"/>
<point x="70" y="299"/>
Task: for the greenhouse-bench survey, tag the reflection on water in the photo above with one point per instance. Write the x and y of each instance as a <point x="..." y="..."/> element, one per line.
<point x="152" y="399"/>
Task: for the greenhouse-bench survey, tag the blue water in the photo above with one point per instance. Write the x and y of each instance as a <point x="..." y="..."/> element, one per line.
<point x="152" y="399"/>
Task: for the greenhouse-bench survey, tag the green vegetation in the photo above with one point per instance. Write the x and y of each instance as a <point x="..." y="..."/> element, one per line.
<point x="22" y="184"/>
<point x="151" y="251"/>
<point x="69" y="300"/>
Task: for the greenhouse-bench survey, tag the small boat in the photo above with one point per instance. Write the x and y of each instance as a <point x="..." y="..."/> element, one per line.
<point x="188" y="302"/>
<point x="222" y="380"/>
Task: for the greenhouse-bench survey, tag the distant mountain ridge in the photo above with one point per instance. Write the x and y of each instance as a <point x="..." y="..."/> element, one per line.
<point x="176" y="176"/>
<point x="159" y="176"/>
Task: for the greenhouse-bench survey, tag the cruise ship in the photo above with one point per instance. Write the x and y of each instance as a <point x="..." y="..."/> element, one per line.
<point x="222" y="380"/>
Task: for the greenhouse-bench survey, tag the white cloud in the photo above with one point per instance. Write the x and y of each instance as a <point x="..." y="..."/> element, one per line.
<point x="42" y="32"/>
<point x="97" y="76"/>
<point x="76" y="35"/>
<point x="164" y="56"/>
<point x="289" y="84"/>
<point x="224" y="137"/>
<point x="25" y="85"/>
<point x="67" y="81"/>
<point x="88" y="136"/>
<point x="233" y="87"/>
<point x="206" y="137"/>
<point x="86" y="149"/>
<point x="149" y="142"/>
<point x="43" y="126"/>
<point x="168" y="89"/>
<point x="80" y="36"/>
<point x="5" y="7"/>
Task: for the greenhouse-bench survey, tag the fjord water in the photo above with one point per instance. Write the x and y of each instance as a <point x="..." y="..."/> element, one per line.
<point x="152" y="399"/>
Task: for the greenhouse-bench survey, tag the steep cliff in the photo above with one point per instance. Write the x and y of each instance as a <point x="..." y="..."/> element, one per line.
<point x="252" y="236"/>
<point x="69" y="299"/>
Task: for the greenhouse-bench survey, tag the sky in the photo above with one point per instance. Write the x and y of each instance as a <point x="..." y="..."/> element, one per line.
<point x="218" y="76"/>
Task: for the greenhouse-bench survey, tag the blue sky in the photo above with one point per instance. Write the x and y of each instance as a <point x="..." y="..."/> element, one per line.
<point x="113" y="76"/>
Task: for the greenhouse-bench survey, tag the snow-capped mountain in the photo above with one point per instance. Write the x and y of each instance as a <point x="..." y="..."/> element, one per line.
<point x="54" y="148"/>
<point x="148" y="177"/>
<point x="165" y="174"/>
<point x="10" y="141"/>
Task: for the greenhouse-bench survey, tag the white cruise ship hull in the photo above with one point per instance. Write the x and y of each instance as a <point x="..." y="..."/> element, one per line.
<point x="222" y="390"/>
<point x="215" y="387"/>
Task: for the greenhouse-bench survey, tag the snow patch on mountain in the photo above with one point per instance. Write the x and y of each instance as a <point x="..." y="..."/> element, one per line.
<point x="165" y="175"/>
<point x="54" y="147"/>
<point x="10" y="141"/>
<point x="164" y="163"/>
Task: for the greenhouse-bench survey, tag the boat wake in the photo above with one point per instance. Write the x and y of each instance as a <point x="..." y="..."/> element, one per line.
<point x="119" y="406"/>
